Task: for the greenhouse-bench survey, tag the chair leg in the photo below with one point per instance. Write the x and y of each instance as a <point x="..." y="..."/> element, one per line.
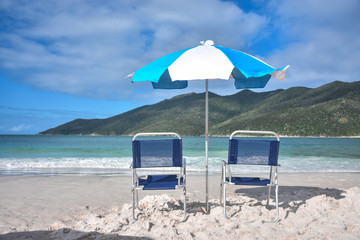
<point x="224" y="200"/>
<point x="184" y="218"/>
<point x="268" y="198"/>
<point x="137" y="198"/>
<point x="277" y="202"/>
<point x="221" y="191"/>
<point x="276" y="195"/>
<point x="133" y="203"/>
<point x="222" y="182"/>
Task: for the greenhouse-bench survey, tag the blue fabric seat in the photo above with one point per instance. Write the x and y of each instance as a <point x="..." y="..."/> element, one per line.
<point x="157" y="152"/>
<point x="157" y="182"/>
<point x="255" y="181"/>
<point x="253" y="151"/>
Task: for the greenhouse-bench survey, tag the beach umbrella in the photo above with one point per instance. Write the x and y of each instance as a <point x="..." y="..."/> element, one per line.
<point x="207" y="62"/>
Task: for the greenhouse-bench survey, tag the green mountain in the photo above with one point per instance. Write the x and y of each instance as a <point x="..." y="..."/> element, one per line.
<point x="330" y="110"/>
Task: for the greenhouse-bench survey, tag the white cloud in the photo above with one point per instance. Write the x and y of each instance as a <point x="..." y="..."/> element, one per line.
<point x="86" y="48"/>
<point x="322" y="40"/>
<point x="21" y="127"/>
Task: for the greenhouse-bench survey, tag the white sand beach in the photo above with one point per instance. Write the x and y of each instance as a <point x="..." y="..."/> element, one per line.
<point x="312" y="206"/>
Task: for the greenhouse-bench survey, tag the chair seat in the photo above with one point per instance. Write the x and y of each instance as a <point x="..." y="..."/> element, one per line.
<point x="153" y="182"/>
<point x="249" y="181"/>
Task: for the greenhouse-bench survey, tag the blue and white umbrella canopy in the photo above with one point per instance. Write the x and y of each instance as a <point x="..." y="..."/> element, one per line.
<point x="207" y="62"/>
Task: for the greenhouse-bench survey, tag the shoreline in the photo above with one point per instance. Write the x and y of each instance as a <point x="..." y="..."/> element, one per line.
<point x="126" y="172"/>
<point x="99" y="135"/>
<point x="30" y="204"/>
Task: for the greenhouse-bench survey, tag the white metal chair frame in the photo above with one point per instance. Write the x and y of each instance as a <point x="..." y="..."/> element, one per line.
<point x="136" y="179"/>
<point x="273" y="175"/>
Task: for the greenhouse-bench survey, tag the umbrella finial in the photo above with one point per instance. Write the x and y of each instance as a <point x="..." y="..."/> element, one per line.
<point x="207" y="43"/>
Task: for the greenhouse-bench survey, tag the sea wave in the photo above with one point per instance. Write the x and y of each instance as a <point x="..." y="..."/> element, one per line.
<point x="121" y="165"/>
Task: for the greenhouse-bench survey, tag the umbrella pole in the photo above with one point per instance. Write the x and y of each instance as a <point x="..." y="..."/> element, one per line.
<point x="207" y="141"/>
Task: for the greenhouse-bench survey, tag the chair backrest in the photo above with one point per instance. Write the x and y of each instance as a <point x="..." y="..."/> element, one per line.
<point x="253" y="152"/>
<point x="157" y="153"/>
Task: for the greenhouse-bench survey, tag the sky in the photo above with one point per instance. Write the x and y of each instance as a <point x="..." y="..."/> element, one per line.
<point x="64" y="60"/>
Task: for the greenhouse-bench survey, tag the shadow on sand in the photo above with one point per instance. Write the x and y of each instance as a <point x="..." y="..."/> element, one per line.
<point x="296" y="195"/>
<point x="65" y="233"/>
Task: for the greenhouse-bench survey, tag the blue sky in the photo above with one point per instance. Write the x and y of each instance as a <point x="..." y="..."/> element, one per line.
<point x="63" y="60"/>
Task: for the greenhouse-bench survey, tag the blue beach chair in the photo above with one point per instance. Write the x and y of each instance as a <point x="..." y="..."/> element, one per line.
<point x="164" y="154"/>
<point x="253" y="151"/>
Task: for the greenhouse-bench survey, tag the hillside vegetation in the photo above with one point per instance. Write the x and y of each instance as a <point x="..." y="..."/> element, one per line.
<point x="330" y="110"/>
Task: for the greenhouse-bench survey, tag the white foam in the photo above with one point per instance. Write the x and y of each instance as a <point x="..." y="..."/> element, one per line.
<point x="9" y="163"/>
<point x="194" y="164"/>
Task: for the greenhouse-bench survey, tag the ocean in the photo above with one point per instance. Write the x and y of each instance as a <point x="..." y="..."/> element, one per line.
<point x="112" y="155"/>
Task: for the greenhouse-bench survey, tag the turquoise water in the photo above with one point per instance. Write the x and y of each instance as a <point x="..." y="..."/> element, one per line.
<point x="87" y="155"/>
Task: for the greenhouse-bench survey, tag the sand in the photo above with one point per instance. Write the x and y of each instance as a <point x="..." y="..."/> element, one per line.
<point x="96" y="207"/>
